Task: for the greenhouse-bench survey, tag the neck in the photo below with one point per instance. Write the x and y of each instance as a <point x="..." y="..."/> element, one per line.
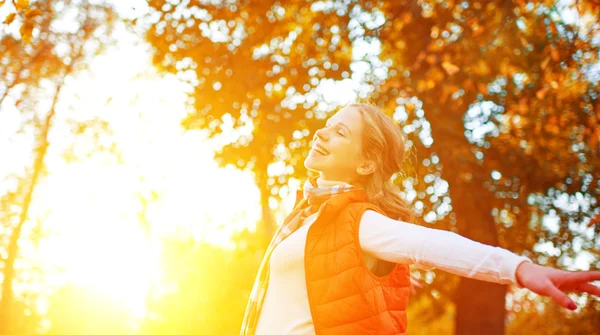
<point x="322" y="182"/>
<point x="357" y="181"/>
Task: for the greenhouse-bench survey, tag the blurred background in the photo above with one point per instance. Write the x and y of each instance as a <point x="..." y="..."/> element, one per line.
<point x="149" y="149"/>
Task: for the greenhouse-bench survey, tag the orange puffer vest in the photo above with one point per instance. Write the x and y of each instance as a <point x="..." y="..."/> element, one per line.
<point x="344" y="296"/>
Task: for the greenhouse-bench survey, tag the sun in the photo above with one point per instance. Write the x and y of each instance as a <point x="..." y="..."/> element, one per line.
<point x="92" y="238"/>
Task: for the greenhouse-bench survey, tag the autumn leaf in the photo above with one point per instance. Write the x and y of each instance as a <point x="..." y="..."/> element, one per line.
<point x="594" y="221"/>
<point x="524" y="41"/>
<point x="478" y="30"/>
<point x="2" y="2"/>
<point x="431" y="59"/>
<point x="468" y="85"/>
<point x="33" y="12"/>
<point x="22" y="4"/>
<point x="482" y="88"/>
<point x="10" y="18"/>
<point x="482" y="68"/>
<point x="447" y="90"/>
<point x="523" y="106"/>
<point x="450" y="68"/>
<point x="555" y="55"/>
<point x="541" y="94"/>
<point x="26" y="30"/>
<point x="421" y="85"/>
<point x="545" y="63"/>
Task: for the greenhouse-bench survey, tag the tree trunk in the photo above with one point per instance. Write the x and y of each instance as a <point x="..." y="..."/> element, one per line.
<point x="266" y="227"/>
<point x="8" y="270"/>
<point x="480" y="306"/>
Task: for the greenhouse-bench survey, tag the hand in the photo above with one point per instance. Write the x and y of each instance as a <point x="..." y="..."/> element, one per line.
<point x="554" y="283"/>
<point x="414" y="282"/>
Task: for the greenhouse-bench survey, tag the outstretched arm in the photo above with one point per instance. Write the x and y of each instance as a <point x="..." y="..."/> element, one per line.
<point x="427" y="248"/>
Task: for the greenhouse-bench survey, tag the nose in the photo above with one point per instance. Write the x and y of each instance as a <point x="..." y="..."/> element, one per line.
<point x="322" y="134"/>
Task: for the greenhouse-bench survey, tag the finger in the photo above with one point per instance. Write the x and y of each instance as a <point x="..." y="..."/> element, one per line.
<point x="582" y="276"/>
<point x="416" y="283"/>
<point x="588" y="288"/>
<point x="558" y="296"/>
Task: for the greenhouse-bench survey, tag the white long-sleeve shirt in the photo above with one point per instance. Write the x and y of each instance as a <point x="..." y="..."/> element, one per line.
<point x="286" y="309"/>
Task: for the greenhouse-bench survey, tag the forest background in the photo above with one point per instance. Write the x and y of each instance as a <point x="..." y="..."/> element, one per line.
<point x="148" y="150"/>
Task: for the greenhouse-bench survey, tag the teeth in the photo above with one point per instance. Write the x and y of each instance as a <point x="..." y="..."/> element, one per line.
<point x="319" y="151"/>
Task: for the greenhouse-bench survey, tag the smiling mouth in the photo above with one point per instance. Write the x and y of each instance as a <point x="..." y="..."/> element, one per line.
<point x="320" y="150"/>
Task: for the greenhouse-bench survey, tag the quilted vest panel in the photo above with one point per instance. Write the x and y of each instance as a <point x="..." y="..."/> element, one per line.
<point x="344" y="296"/>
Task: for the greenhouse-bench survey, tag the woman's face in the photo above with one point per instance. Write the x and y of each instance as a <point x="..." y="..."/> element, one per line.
<point x="336" y="152"/>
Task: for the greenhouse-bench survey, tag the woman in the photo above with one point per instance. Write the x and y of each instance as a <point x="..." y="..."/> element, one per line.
<point x="339" y="264"/>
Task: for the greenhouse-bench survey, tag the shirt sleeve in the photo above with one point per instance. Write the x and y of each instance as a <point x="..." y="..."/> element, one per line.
<point x="405" y="243"/>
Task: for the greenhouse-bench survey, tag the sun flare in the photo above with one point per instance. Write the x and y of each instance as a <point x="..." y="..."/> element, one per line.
<point x="93" y="241"/>
<point x="105" y="214"/>
<point x="97" y="237"/>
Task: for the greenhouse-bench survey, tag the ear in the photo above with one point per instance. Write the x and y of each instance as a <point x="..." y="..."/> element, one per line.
<point x="366" y="168"/>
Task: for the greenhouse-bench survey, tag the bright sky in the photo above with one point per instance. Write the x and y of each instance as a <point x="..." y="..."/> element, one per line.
<point x="89" y="207"/>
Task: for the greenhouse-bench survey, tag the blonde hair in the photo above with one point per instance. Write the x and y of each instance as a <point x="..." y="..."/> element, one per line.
<point x="384" y="144"/>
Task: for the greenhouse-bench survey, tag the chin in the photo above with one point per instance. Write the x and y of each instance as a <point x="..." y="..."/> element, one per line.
<point x="310" y="164"/>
